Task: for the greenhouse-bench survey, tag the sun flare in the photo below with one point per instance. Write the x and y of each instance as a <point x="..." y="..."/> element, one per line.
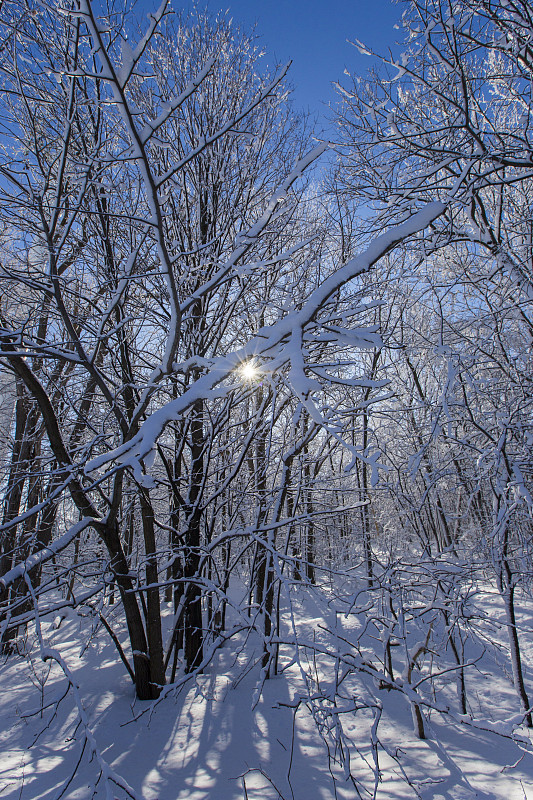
<point x="249" y="371"/>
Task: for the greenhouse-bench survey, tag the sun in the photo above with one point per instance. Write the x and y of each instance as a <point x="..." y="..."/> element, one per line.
<point x="249" y="370"/>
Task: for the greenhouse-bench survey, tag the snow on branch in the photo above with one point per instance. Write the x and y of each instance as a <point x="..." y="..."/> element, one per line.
<point x="46" y="553"/>
<point x="271" y="342"/>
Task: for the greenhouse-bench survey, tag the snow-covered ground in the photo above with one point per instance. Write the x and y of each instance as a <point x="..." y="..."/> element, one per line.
<point x="219" y="739"/>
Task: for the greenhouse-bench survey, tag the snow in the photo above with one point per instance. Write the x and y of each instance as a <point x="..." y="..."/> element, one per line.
<point x="46" y="553"/>
<point x="219" y="738"/>
<point x="337" y="720"/>
<point x="270" y="341"/>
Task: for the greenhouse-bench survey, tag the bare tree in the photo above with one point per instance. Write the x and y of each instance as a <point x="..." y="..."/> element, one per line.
<point x="456" y="108"/>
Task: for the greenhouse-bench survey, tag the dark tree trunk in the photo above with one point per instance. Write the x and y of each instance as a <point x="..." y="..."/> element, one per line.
<point x="153" y="618"/>
<point x="193" y="622"/>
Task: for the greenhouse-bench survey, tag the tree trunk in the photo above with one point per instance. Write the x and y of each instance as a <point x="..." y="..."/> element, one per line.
<point x="507" y="593"/>
<point x="193" y="623"/>
<point x="153" y="619"/>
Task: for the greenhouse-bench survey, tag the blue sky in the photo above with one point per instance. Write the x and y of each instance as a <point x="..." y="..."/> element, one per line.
<point x="313" y="34"/>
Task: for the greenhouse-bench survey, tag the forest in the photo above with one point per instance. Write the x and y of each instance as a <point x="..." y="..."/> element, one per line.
<point x="266" y="404"/>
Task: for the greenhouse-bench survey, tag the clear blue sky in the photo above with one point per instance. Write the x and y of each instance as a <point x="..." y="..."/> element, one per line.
<point x="313" y="34"/>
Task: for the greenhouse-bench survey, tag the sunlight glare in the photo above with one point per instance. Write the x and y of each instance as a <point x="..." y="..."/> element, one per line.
<point x="249" y="371"/>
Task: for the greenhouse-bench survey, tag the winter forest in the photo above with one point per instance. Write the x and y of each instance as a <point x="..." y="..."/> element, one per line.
<point x="266" y="410"/>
